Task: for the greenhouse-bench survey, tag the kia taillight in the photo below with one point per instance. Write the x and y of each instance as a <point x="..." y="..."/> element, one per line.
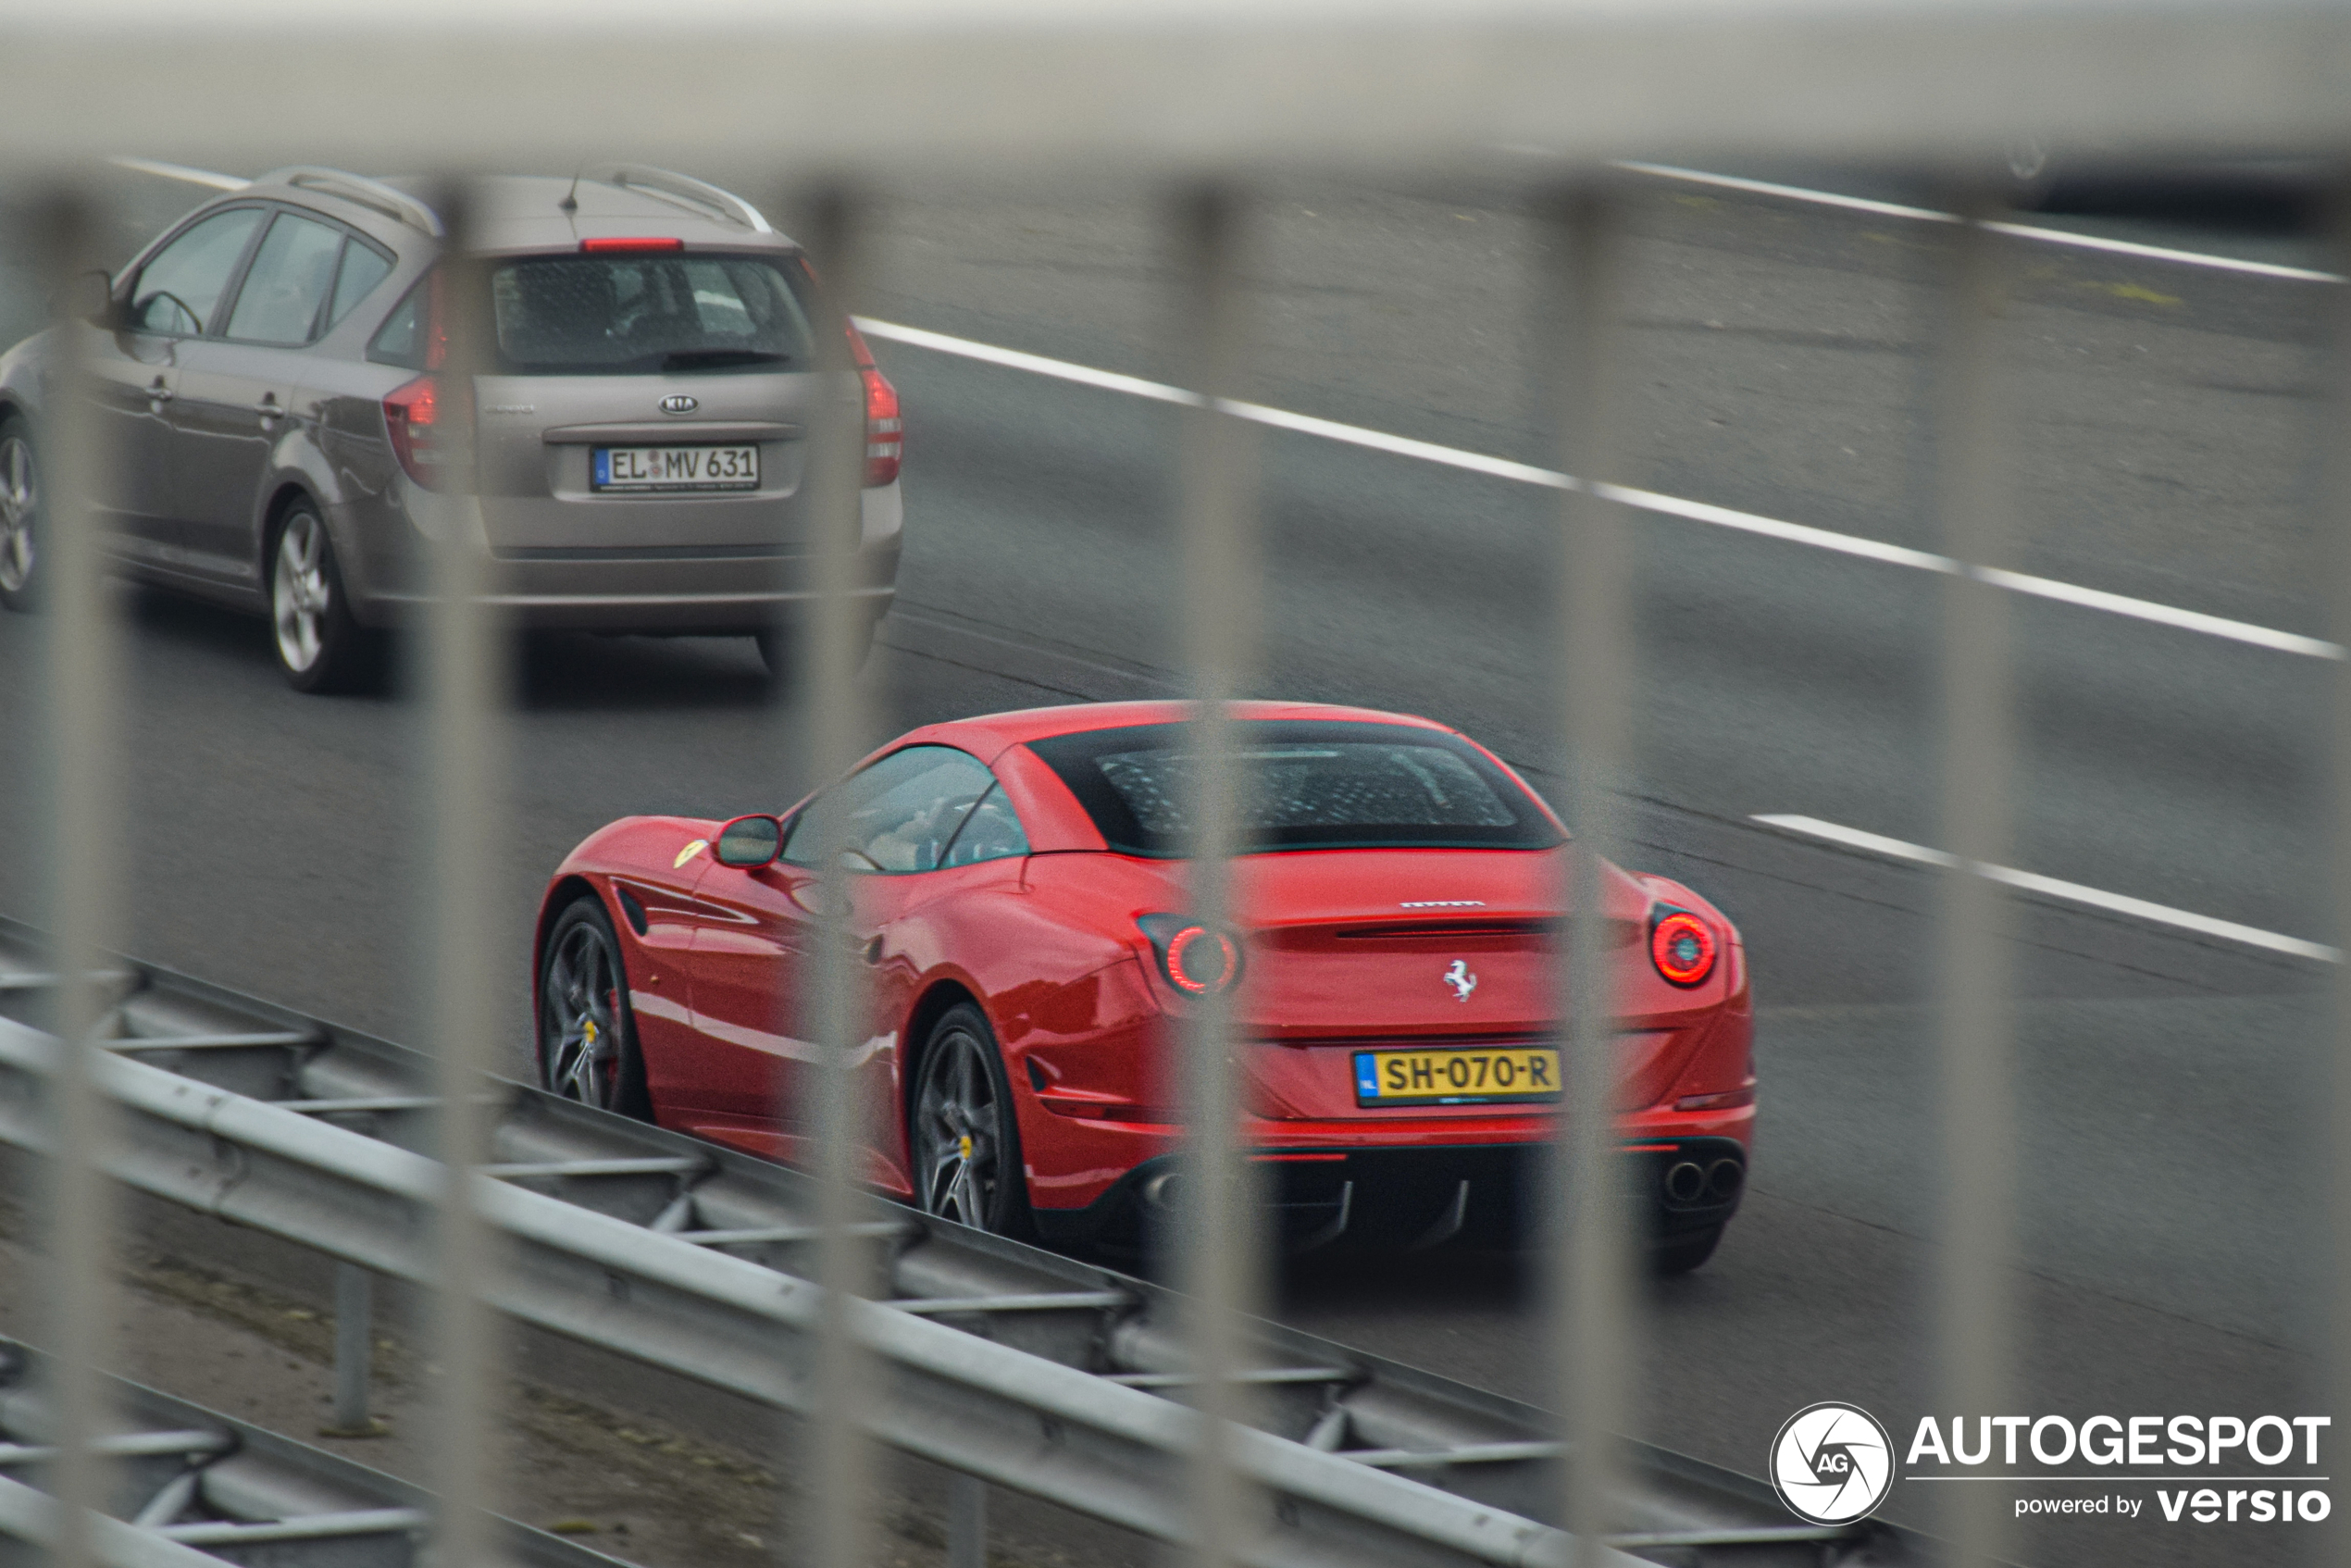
<point x="885" y="430"/>
<point x="426" y="422"/>
<point x="624" y="242"/>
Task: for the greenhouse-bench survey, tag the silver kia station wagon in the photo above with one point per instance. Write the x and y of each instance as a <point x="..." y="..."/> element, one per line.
<point x="280" y="438"/>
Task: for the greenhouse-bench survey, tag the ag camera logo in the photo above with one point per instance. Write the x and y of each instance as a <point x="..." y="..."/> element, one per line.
<point x="1831" y="1463"/>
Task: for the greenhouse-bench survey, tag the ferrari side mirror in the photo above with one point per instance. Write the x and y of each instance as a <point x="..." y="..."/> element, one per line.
<point x="749" y="841"/>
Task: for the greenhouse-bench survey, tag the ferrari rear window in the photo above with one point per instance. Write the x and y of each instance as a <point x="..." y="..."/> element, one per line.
<point x="1306" y="786"/>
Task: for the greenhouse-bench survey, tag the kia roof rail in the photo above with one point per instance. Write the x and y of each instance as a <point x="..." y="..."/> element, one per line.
<point x="679" y="188"/>
<point x="375" y="194"/>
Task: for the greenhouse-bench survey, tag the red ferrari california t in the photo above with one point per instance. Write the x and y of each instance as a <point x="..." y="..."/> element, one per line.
<point x="1016" y="903"/>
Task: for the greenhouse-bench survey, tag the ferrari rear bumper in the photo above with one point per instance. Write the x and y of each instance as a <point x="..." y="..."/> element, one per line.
<point x="1391" y="1198"/>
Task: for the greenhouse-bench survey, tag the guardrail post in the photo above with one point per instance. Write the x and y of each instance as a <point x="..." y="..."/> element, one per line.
<point x="966" y="1522"/>
<point x="1974" y="1009"/>
<point x="354" y="1330"/>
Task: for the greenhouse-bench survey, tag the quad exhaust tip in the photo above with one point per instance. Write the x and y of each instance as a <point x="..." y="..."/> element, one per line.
<point x="1160" y="1191"/>
<point x="1687" y="1182"/>
<point x="1723" y="1178"/>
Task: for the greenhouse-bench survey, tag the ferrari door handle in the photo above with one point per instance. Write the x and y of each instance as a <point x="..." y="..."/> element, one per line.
<point x="874" y="951"/>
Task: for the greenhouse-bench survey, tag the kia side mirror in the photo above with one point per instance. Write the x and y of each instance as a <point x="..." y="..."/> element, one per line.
<point x="749" y="841"/>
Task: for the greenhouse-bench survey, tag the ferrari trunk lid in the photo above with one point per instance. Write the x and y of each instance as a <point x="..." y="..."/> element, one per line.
<point x="1361" y="944"/>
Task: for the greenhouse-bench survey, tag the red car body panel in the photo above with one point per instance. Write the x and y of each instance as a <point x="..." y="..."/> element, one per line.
<point x="1049" y="947"/>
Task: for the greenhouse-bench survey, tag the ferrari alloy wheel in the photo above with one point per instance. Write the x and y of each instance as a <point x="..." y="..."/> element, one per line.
<point x="966" y="1145"/>
<point x="587" y="1034"/>
<point x="20" y="505"/>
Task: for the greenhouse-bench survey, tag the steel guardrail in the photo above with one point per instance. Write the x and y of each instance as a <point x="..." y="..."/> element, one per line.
<point x="1027" y="1369"/>
<point x="199" y="1488"/>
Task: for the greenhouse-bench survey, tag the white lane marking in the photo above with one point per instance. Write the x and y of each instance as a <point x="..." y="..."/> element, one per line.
<point x="1786" y="192"/>
<point x="1160" y="391"/>
<point x="1643" y="500"/>
<point x="2166" y="254"/>
<point x="179" y="171"/>
<point x="2050" y="886"/>
<point x="1401" y="446"/>
<point x="2186" y="620"/>
<point x="2032" y="232"/>
<point x="1013" y="359"/>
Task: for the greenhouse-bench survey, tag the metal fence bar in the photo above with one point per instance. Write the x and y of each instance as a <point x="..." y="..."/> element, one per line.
<point x="1593" y="650"/>
<point x="833" y="227"/>
<point x="1220" y="1255"/>
<point x="80" y="754"/>
<point x="466" y="670"/>
<point x="914" y="86"/>
<point x="2334" y="1323"/>
<point x="1974" y="1010"/>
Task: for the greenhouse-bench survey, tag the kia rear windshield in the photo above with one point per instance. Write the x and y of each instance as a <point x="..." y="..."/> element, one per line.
<point x="1324" y="785"/>
<point x="663" y="313"/>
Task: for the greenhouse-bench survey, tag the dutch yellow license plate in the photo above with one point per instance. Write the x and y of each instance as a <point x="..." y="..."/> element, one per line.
<point x="1500" y="1075"/>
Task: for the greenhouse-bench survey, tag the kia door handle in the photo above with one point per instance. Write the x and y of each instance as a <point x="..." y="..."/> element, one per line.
<point x="158" y="392"/>
<point x="269" y="410"/>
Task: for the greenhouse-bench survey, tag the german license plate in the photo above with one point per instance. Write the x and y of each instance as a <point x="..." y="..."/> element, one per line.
<point x="674" y="468"/>
<point x="1501" y="1075"/>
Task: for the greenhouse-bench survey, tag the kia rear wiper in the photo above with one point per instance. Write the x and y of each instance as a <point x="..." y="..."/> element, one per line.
<point x="720" y="358"/>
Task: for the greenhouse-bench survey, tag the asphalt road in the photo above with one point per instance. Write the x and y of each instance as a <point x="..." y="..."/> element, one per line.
<point x="2164" y="432"/>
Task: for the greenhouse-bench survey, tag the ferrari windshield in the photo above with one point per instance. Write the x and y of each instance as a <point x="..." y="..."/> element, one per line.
<point x="1306" y="786"/>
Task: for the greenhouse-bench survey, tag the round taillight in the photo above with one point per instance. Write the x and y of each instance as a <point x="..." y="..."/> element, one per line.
<point x="1682" y="947"/>
<point x="1201" y="960"/>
